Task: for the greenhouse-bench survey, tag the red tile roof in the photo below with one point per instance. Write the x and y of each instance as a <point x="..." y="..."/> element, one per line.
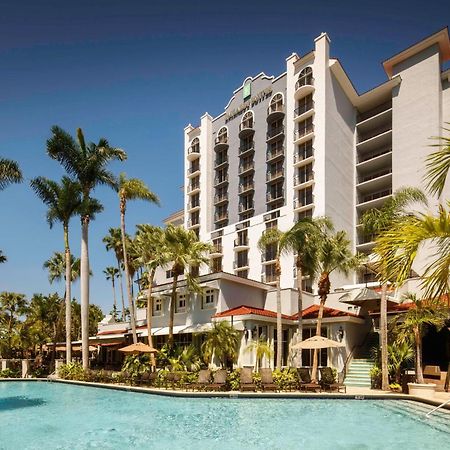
<point x="313" y="311"/>
<point x="111" y="332"/>
<point x="247" y="310"/>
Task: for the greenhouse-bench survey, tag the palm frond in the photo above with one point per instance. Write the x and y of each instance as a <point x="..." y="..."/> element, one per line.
<point x="9" y="173"/>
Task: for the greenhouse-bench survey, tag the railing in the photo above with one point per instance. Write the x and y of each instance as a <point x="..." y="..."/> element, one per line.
<point x="240" y="242"/>
<point x="222" y="139"/>
<point x="246" y="187"/>
<point x="192" y="205"/>
<point x="307" y="80"/>
<point x="375" y="175"/>
<point x="349" y="358"/>
<point x="376" y="195"/>
<point x="372" y="133"/>
<point x="303" y="154"/>
<point x="247" y="125"/>
<point x="193" y="187"/>
<point x="193" y="149"/>
<point x="274" y="175"/>
<point x="273" y="153"/>
<point x="303" y="177"/>
<point x="272" y="197"/>
<point x="220" y="180"/>
<point x="240" y="264"/>
<point x="246" y="207"/>
<point x="216" y="248"/>
<point x="265" y="257"/>
<point x="246" y="148"/>
<point x="303" y="131"/>
<point x="375" y="111"/>
<point x="374" y="154"/>
<point x="220" y="198"/>
<point x="428" y="414"/>
<point x="219" y="161"/>
<point x="245" y="167"/>
<point x="194" y="169"/>
<point x="306" y="201"/>
<point x="193" y="222"/>
<point x="268" y="278"/>
<point x="275" y="132"/>
<point x="275" y="107"/>
<point x="303" y="108"/>
<point x="219" y="217"/>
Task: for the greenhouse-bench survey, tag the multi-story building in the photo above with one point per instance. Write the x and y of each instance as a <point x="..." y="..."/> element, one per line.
<point x="305" y="143"/>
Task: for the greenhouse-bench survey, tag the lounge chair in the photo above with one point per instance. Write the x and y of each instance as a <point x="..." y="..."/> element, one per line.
<point x="172" y="379"/>
<point x="246" y="376"/>
<point x="203" y="380"/>
<point x="327" y="380"/>
<point x="305" y="382"/>
<point x="219" y="380"/>
<point x="267" y="380"/>
<point x="147" y="378"/>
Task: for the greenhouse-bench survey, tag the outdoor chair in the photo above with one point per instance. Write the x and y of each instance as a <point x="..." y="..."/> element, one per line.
<point x="203" y="380"/>
<point x="305" y="382"/>
<point x="172" y="379"/>
<point x="126" y="377"/>
<point x="246" y="376"/>
<point x="219" y="380"/>
<point x="328" y="382"/>
<point x="267" y="382"/>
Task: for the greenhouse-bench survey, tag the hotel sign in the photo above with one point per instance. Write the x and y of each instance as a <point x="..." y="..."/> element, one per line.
<point x="250" y="103"/>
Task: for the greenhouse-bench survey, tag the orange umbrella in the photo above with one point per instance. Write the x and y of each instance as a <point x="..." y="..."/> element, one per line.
<point x="135" y="349"/>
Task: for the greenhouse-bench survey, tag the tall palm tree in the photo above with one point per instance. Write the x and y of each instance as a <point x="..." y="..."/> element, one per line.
<point x="56" y="267"/>
<point x="414" y="321"/>
<point x="274" y="238"/>
<point x="184" y="251"/>
<point x="12" y="306"/>
<point x="221" y="341"/>
<point x="150" y="242"/>
<point x="9" y="173"/>
<point x="63" y="201"/>
<point x="113" y="241"/>
<point x="3" y="258"/>
<point x="334" y="255"/>
<point x="87" y="163"/>
<point x="131" y="189"/>
<point x="111" y="273"/>
<point x="375" y="222"/>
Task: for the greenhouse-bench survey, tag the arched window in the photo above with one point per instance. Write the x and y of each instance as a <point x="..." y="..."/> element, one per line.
<point x="222" y="136"/>
<point x="195" y="146"/>
<point x="247" y="120"/>
<point x="276" y="103"/>
<point x="305" y="78"/>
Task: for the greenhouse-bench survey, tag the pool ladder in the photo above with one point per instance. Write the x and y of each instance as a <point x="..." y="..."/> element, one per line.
<point x="428" y="414"/>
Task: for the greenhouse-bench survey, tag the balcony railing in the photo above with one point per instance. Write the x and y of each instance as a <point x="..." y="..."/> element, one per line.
<point x="375" y="111"/>
<point x="270" y="197"/>
<point x="222" y="139"/>
<point x="219" y="161"/>
<point x="304" y="81"/>
<point x="268" y="277"/>
<point x="247" y="125"/>
<point x="274" y="153"/>
<point x="372" y="133"/>
<point x="216" y="248"/>
<point x="192" y="205"/>
<point x="220" y="198"/>
<point x="303" y="108"/>
<point x="194" y="149"/>
<point x="193" y="222"/>
<point x="300" y="132"/>
<point x="246" y="147"/>
<point x="376" y="195"/>
<point x="374" y="154"/>
<point x="303" y="201"/>
<point x="240" y="264"/>
<point x="270" y="176"/>
<point x="241" y="242"/>
<point x="193" y="187"/>
<point x="246" y="187"/>
<point x="303" y="177"/>
<point x="268" y="256"/>
<point x="375" y="175"/>
<point x="243" y="207"/>
<point x="246" y="167"/>
<point x="275" y="107"/>
<point x="220" y="180"/>
<point x="366" y="238"/>
<point x="193" y="169"/>
<point x="303" y="154"/>
<point x="220" y="216"/>
<point x="275" y="132"/>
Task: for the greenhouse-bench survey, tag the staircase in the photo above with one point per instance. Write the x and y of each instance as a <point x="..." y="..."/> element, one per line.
<point x="358" y="373"/>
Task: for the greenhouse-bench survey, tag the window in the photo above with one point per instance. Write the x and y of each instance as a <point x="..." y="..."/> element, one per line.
<point x="180" y="306"/>
<point x="157" y="306"/>
<point x="169" y="274"/>
<point x="222" y="136"/>
<point x="270" y="272"/>
<point x="242" y="259"/>
<point x="247" y="120"/>
<point x="195" y="146"/>
<point x="242" y="238"/>
<point x="195" y="200"/>
<point x="276" y="103"/>
<point x="216" y="265"/>
<point x="305" y="78"/>
<point x="208" y="299"/>
<point x="307" y="355"/>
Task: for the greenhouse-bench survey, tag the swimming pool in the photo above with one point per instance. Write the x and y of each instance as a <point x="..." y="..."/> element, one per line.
<point x="40" y="415"/>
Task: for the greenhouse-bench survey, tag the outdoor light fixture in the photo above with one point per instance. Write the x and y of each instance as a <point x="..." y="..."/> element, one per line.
<point x="340" y="334"/>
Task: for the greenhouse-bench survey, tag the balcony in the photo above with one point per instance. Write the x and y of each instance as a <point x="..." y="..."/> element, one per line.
<point x="373" y="133"/>
<point x="274" y="133"/>
<point x="247" y="148"/>
<point x="374" y="112"/>
<point x="275" y="196"/>
<point x="193" y="223"/>
<point x="193" y="152"/>
<point x="216" y="250"/>
<point x="221" y="216"/>
<point x="374" y="159"/>
<point x="304" y="111"/>
<point x="219" y="199"/>
<point x="221" y="142"/>
<point x="220" y="180"/>
<point x="302" y="134"/>
<point x="245" y="207"/>
<point x="274" y="153"/>
<point x="304" y="203"/>
<point x="273" y="176"/>
<point x="268" y="278"/>
<point x="244" y="168"/>
<point x="303" y="87"/>
<point x="304" y="179"/>
<point x="380" y="176"/>
<point x="192" y="171"/>
<point x="246" y="128"/>
<point x="193" y="206"/>
<point x="219" y="162"/>
<point x="241" y="265"/>
<point x="374" y="200"/>
<point x="268" y="257"/>
<point x="193" y="188"/>
<point x="241" y="243"/>
<point x="243" y="188"/>
<point x="304" y="157"/>
<point x="275" y="112"/>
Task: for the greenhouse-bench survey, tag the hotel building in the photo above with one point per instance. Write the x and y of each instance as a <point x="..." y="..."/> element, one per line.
<point x="302" y="144"/>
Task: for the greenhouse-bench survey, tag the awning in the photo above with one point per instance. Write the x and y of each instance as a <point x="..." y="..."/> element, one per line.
<point x="144" y="332"/>
<point x="211" y="285"/>
<point x="197" y="328"/>
<point x="165" y="330"/>
<point x="368" y="298"/>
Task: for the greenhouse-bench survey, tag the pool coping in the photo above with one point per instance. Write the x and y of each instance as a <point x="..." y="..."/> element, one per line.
<point x="380" y="395"/>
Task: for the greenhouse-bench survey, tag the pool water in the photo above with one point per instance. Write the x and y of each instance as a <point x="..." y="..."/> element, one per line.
<point x="41" y="415"/>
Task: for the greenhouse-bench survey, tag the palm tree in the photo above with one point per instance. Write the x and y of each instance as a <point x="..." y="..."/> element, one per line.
<point x="56" y="266"/>
<point x="334" y="255"/>
<point x="222" y="342"/>
<point x="131" y="189"/>
<point x="9" y="173"/>
<point x="184" y="250"/>
<point x="274" y="238"/>
<point x="375" y="222"/>
<point x="113" y="241"/>
<point x="64" y="202"/>
<point x="150" y="242"/>
<point x="262" y="349"/>
<point x="87" y="163"/>
<point x="111" y="273"/>
<point x="3" y="258"/>
<point x="413" y="324"/>
<point x="12" y="306"/>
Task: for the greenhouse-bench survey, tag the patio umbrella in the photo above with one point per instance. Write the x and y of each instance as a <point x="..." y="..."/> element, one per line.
<point x="135" y="349"/>
<point x="317" y="342"/>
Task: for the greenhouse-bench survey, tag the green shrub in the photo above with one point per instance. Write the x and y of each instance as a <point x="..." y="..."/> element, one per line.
<point x="40" y="371"/>
<point x="10" y="373"/>
<point x="285" y="379"/>
<point x="234" y="380"/>
<point x="71" y="371"/>
<point x="395" y="387"/>
<point x="375" y="377"/>
<point x="136" y="365"/>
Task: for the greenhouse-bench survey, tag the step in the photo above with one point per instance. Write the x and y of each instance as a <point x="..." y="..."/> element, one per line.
<point x="357" y="379"/>
<point x="357" y="384"/>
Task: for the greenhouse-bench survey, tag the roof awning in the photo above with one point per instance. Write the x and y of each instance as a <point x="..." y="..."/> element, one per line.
<point x="144" y="332"/>
<point x="165" y="330"/>
<point x="197" y="328"/>
<point x="211" y="285"/>
<point x="368" y="298"/>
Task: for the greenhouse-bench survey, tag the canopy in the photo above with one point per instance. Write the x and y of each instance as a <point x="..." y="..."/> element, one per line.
<point x="317" y="342"/>
<point x="135" y="349"/>
<point x="368" y="298"/>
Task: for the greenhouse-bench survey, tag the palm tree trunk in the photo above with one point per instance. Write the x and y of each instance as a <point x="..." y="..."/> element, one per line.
<point x="418" y="340"/>
<point x="173" y="299"/>
<point x="151" y="275"/>
<point x="384" y="339"/>
<point x="68" y="279"/>
<point x="114" y="293"/>
<point x="300" y="306"/>
<point x="315" y="366"/>
<point x="121" y="290"/>
<point x="84" y="282"/>
<point x="127" y="271"/>
<point x="279" y="324"/>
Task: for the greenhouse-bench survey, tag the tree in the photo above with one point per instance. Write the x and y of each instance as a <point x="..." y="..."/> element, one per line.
<point x="63" y="201"/>
<point x="262" y="349"/>
<point x="413" y="323"/>
<point x="9" y="173"/>
<point x="222" y="342"/>
<point x="334" y="255"/>
<point x="113" y="242"/>
<point x="184" y="250"/>
<point x="56" y="267"/>
<point x="111" y="273"/>
<point x="131" y="189"/>
<point x="87" y="163"/>
<point x="151" y="245"/>
<point x="12" y="306"/>
<point x="274" y="238"/>
<point x="3" y="258"/>
<point x="375" y="222"/>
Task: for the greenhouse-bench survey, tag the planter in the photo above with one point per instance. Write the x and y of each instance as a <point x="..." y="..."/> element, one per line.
<point x="422" y="390"/>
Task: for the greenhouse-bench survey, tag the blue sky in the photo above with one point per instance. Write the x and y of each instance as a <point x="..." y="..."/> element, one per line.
<point x="138" y="72"/>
